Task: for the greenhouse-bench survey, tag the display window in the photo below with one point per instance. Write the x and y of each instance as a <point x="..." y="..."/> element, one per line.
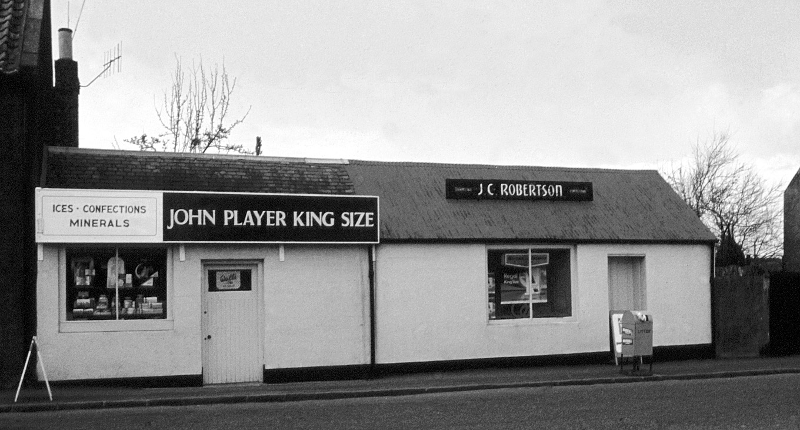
<point x="116" y="283"/>
<point x="526" y="283"/>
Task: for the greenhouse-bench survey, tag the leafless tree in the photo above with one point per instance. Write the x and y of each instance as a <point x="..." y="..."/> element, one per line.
<point x="195" y="113"/>
<point x="731" y="199"/>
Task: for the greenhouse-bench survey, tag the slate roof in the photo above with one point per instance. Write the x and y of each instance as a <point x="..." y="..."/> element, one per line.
<point x="137" y="170"/>
<point x="20" y="27"/>
<point x="629" y="206"/>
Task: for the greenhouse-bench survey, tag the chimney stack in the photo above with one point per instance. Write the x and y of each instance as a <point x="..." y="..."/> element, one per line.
<point x="67" y="89"/>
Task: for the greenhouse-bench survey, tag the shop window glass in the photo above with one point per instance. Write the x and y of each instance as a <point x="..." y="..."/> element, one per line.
<point x="111" y="283"/>
<point x="529" y="283"/>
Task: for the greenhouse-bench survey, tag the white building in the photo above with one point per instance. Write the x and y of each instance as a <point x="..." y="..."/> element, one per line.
<point x="387" y="264"/>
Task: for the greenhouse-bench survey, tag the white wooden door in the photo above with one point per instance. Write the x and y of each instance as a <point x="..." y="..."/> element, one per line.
<point x="626" y="286"/>
<point x="232" y="349"/>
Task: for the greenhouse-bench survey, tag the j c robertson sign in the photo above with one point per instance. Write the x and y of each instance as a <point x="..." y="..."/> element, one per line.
<point x="497" y="189"/>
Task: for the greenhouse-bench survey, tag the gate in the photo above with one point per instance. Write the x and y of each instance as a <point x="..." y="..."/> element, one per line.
<point x="784" y="309"/>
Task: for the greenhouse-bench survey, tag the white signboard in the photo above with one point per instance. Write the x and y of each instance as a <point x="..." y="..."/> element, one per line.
<point x="98" y="216"/>
<point x="139" y="216"/>
<point x="229" y="280"/>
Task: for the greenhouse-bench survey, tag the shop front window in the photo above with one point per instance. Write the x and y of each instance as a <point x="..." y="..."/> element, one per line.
<point x="115" y="283"/>
<point x="529" y="283"/>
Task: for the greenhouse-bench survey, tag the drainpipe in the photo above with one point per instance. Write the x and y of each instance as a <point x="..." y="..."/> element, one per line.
<point x="713" y="302"/>
<point x="371" y="255"/>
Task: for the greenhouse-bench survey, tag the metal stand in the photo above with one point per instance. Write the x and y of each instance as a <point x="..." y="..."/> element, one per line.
<point x="25" y="369"/>
<point x="638" y="362"/>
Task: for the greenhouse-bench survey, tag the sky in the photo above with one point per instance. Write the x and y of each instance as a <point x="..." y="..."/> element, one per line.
<point x="606" y="84"/>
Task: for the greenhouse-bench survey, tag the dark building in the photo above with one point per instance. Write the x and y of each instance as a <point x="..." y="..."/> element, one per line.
<point x="35" y="114"/>
<point x="791" y="225"/>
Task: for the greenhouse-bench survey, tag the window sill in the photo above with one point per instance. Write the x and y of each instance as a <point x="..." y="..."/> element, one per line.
<point x="532" y="321"/>
<point x="114" y="326"/>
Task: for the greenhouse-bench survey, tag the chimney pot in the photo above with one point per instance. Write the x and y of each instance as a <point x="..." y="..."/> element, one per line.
<point x="65" y="43"/>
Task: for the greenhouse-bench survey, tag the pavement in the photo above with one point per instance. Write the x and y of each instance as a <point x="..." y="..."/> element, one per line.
<point x="34" y="396"/>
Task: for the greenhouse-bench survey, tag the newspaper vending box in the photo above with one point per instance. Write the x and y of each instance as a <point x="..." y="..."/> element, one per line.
<point x="633" y="338"/>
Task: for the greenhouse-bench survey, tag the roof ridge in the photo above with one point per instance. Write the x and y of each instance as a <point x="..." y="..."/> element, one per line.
<point x="246" y="157"/>
<point x="501" y="166"/>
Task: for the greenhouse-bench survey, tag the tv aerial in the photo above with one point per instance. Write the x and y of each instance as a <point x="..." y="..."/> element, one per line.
<point x="111" y="63"/>
<point x="112" y="58"/>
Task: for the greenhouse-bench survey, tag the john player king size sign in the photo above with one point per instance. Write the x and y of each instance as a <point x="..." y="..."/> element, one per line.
<point x="209" y="217"/>
<point x="140" y="216"/>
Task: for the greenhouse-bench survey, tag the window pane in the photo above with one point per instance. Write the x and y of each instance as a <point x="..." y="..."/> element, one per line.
<point x="116" y="283"/>
<point x="557" y="286"/>
<point x="529" y="283"/>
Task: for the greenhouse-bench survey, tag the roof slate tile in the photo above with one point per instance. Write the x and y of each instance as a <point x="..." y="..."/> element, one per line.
<point x="98" y="169"/>
<point x="13" y="14"/>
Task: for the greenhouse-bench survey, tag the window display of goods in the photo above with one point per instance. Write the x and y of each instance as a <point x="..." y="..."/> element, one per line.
<point x="83" y="271"/>
<point x="135" y="287"/>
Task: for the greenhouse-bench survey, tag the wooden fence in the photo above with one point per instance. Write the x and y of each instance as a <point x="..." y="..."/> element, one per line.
<point x="741" y="315"/>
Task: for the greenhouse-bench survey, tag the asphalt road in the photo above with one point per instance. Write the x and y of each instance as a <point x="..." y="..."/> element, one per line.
<point x="761" y="402"/>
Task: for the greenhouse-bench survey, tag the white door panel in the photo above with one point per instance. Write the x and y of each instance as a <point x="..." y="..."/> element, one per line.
<point x="231" y="316"/>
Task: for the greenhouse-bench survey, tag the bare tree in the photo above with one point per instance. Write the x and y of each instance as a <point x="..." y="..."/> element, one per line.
<point x="195" y="113"/>
<point x="731" y="199"/>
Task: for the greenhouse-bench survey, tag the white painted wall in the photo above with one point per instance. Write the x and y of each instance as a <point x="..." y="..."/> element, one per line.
<point x="115" y="349"/>
<point x="315" y="301"/>
<point x="317" y="307"/>
<point x="316" y="313"/>
<point x="677" y="283"/>
<point x="431" y="303"/>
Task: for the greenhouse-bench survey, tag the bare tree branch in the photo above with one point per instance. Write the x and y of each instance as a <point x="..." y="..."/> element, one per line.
<point x="731" y="199"/>
<point x="194" y="114"/>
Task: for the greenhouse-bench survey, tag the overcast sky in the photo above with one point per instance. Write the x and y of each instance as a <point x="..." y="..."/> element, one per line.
<point x="613" y="84"/>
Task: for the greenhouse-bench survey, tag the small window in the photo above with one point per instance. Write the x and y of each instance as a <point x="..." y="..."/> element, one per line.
<point x="111" y="283"/>
<point x="529" y="283"/>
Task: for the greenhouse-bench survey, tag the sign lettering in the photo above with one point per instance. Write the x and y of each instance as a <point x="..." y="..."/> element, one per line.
<point x="106" y="216"/>
<point x="212" y="217"/>
<point x="488" y="189"/>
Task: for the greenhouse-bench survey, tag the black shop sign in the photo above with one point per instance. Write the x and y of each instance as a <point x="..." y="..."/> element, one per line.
<point x="498" y="189"/>
<point x="277" y="218"/>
